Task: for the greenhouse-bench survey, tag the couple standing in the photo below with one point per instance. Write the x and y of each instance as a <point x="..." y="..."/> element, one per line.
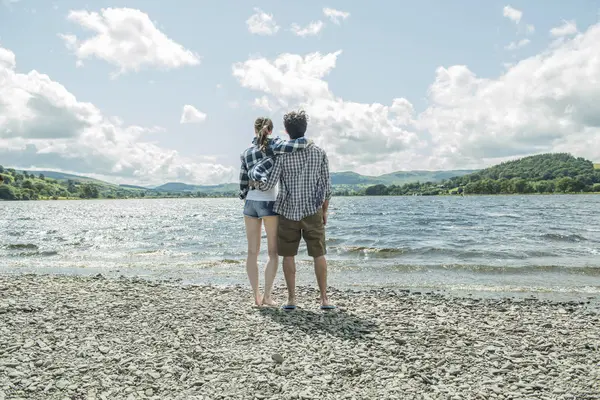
<point x="296" y="209"/>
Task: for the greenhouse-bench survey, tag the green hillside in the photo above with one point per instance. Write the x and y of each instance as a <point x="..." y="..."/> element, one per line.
<point x="597" y="166"/>
<point x="352" y="178"/>
<point x="23" y="185"/>
<point x="544" y="173"/>
<point x="61" y="177"/>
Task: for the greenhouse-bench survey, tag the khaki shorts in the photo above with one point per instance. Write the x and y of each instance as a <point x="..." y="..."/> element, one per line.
<point x="311" y="228"/>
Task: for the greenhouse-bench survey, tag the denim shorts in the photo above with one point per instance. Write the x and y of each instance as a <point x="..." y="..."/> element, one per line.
<point x="259" y="209"/>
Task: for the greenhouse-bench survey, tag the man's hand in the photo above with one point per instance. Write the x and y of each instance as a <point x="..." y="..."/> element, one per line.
<point x="324" y="208"/>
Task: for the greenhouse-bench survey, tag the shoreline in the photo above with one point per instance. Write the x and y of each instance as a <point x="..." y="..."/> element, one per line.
<point x="233" y="196"/>
<point x="131" y="338"/>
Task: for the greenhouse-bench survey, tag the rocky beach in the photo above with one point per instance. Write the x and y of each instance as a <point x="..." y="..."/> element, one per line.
<point x="97" y="338"/>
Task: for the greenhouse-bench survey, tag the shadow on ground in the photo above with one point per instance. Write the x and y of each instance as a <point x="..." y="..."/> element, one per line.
<point x="336" y="322"/>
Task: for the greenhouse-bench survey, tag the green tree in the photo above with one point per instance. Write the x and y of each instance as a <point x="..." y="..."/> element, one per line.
<point x="7" y="192"/>
<point x="564" y="184"/>
<point x="89" y="191"/>
<point x="27" y="184"/>
<point x="72" y="186"/>
<point x="376" y="190"/>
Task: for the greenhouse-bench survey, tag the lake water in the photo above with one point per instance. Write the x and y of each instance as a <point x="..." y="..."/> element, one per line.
<point x="518" y="244"/>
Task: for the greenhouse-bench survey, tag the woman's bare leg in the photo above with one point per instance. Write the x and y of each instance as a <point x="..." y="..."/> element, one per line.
<point x="271" y="224"/>
<point x="253" y="233"/>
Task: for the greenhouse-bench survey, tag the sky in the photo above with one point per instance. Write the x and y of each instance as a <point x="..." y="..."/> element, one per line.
<point x="147" y="92"/>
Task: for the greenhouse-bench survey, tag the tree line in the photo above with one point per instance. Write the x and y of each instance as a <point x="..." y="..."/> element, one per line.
<point x="546" y="173"/>
<point x="22" y="185"/>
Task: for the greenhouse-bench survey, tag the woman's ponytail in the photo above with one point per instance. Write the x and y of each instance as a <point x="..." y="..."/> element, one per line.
<point x="262" y="128"/>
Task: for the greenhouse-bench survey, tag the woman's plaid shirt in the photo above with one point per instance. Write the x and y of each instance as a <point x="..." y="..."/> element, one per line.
<point x="257" y="165"/>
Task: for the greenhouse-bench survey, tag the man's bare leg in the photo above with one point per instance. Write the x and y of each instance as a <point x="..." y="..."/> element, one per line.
<point x="321" y="273"/>
<point x="289" y="271"/>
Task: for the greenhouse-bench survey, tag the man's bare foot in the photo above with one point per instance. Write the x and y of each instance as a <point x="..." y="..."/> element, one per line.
<point x="268" y="301"/>
<point x="326" y="305"/>
<point x="258" y="301"/>
<point x="291" y="303"/>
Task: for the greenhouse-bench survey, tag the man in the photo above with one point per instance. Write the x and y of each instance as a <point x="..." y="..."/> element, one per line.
<point x="302" y="203"/>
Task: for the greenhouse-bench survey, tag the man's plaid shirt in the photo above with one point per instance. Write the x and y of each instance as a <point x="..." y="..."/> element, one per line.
<point x="304" y="182"/>
<point x="257" y="165"/>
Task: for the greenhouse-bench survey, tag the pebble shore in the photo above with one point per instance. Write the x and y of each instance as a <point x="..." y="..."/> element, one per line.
<point x="87" y="338"/>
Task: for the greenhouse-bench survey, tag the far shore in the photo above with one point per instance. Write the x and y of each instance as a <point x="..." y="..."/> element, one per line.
<point x="127" y="338"/>
<point x="335" y="195"/>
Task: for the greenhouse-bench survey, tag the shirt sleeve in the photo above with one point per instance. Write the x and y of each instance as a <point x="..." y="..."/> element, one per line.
<point x="274" y="176"/>
<point x="325" y="176"/>
<point x="280" y="146"/>
<point x="244" y="180"/>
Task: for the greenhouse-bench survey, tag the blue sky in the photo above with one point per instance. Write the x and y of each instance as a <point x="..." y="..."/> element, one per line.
<point x="381" y="104"/>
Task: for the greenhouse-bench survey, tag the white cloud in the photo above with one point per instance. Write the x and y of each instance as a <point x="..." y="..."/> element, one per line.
<point x="513" y="14"/>
<point x="311" y="29"/>
<point x="264" y="103"/>
<point x="191" y="115"/>
<point x="336" y="16"/>
<point x="547" y="102"/>
<point x="568" y="28"/>
<point x="262" y="23"/>
<point x="354" y="133"/>
<point x="42" y="124"/>
<point x="128" y="39"/>
<point x="518" y="45"/>
<point x="7" y="59"/>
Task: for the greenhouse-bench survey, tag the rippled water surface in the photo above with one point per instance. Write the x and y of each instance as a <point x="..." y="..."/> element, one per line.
<point x="501" y="243"/>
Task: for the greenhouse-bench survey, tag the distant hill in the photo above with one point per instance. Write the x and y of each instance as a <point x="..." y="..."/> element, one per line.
<point x="394" y="178"/>
<point x="597" y="166"/>
<point x="403" y="177"/>
<point x="543" y="173"/>
<point x="345" y="180"/>
<point x="352" y="178"/>
<point x="134" y="187"/>
<point x="536" y="168"/>
<point x="175" y="187"/>
<point x="61" y="176"/>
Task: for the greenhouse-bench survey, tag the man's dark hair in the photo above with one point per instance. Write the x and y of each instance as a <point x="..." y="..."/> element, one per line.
<point x="295" y="123"/>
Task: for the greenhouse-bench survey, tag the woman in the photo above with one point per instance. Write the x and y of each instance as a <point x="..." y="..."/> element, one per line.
<point x="258" y="208"/>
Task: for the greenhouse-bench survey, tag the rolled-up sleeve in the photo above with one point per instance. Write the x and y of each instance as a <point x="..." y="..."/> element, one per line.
<point x="280" y="146"/>
<point x="244" y="179"/>
<point x="274" y="176"/>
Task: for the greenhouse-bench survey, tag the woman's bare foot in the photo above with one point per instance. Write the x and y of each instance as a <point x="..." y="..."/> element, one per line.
<point x="269" y="302"/>
<point x="258" y="301"/>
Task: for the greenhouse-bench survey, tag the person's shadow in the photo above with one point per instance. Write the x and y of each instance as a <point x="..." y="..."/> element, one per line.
<point x="335" y="322"/>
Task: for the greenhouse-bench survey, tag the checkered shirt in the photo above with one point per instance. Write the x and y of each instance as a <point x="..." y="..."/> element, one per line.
<point x="304" y="182"/>
<point x="257" y="165"/>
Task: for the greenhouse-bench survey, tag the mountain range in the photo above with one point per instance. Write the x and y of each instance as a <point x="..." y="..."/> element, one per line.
<point x="339" y="180"/>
